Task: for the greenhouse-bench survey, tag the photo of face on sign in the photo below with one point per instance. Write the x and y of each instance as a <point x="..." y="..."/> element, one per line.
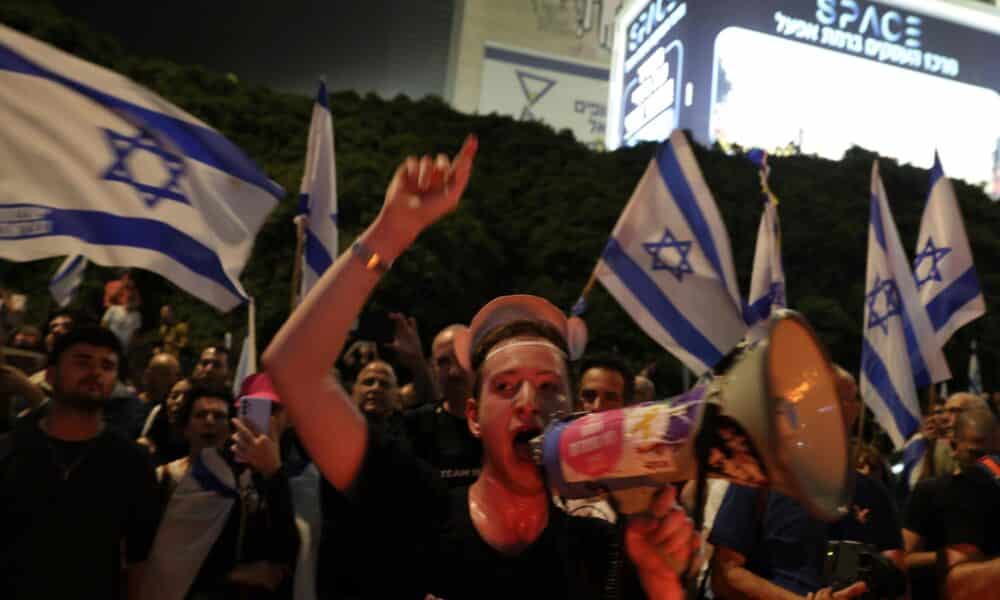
<point x="732" y="455"/>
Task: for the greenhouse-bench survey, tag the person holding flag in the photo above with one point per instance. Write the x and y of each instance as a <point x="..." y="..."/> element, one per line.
<point x="96" y="165"/>
<point x="900" y="352"/>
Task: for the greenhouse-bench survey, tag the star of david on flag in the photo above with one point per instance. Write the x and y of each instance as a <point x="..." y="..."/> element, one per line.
<point x="669" y="264"/>
<point x="947" y="279"/>
<point x="767" y="282"/>
<point x="883" y="303"/>
<point x="318" y="195"/>
<point x="678" y="265"/>
<point x="899" y="353"/>
<point x="98" y="166"/>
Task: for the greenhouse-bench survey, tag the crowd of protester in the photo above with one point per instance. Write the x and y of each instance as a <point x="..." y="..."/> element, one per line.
<point x="365" y="486"/>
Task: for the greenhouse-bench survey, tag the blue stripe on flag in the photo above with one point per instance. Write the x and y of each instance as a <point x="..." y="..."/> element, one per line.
<point x="752" y="313"/>
<point x="937" y="172"/>
<point x="70" y="268"/>
<point x="874" y="369"/>
<point x="316" y="255"/>
<point x="876" y="221"/>
<point x="107" y="229"/>
<point x="918" y="366"/>
<point x="210" y="481"/>
<point x="658" y="305"/>
<point x="675" y="181"/>
<point x="199" y="143"/>
<point x="956" y="295"/>
<point x="303" y="203"/>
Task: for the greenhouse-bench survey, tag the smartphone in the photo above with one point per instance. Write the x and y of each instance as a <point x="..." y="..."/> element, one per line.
<point x="256" y="410"/>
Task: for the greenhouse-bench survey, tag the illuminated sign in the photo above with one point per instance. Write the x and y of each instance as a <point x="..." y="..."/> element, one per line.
<point x="901" y="77"/>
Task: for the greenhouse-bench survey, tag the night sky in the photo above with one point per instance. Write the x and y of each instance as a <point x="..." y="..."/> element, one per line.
<point x="384" y="46"/>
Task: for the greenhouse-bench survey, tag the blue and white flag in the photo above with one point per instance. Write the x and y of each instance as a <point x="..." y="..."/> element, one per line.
<point x="669" y="264"/>
<point x="975" y="375"/>
<point x="67" y="280"/>
<point x="947" y="280"/>
<point x="94" y="164"/>
<point x="767" y="283"/>
<point x="318" y="195"/>
<point x="916" y="452"/>
<point x="899" y="352"/>
<point x="248" y="354"/>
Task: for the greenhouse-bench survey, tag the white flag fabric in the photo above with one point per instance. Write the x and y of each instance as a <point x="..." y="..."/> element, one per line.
<point x="669" y="264"/>
<point x="318" y="195"/>
<point x="94" y="164"/>
<point x="975" y="375"/>
<point x="899" y="353"/>
<point x="947" y="280"/>
<point x="67" y="280"/>
<point x="767" y="282"/>
<point x="248" y="354"/>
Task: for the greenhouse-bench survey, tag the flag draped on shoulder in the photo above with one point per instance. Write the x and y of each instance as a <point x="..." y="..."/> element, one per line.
<point x="669" y="264"/>
<point x="947" y="280"/>
<point x="767" y="283"/>
<point x="899" y="353"/>
<point x="94" y="164"/>
<point x="67" y="280"/>
<point x="318" y="195"/>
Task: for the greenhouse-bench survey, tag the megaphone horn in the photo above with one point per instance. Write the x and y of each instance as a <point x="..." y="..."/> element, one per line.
<point x="772" y="419"/>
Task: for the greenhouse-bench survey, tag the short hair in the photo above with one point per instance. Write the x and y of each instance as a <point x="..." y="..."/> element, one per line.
<point x="514" y="329"/>
<point x="86" y="334"/>
<point x="203" y="391"/>
<point x="219" y="348"/>
<point x="978" y="420"/>
<point x="611" y="363"/>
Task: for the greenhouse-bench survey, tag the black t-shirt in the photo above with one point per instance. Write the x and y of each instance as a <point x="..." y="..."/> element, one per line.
<point x="445" y="442"/>
<point x="972" y="511"/>
<point x="419" y="539"/>
<point x="924" y="515"/>
<point x="66" y="508"/>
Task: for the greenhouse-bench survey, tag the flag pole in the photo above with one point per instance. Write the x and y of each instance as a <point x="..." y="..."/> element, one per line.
<point x="300" y="235"/>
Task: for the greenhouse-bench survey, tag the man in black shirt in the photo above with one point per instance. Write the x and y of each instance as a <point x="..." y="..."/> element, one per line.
<point x="500" y="537"/>
<point x="73" y="494"/>
<point x="439" y="432"/>
<point x="970" y="515"/>
<point x="928" y="506"/>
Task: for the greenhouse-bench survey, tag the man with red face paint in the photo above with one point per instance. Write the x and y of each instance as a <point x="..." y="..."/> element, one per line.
<point x="501" y="537"/>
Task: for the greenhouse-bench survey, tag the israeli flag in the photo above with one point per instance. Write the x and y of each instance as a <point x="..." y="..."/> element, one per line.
<point x="767" y="283"/>
<point x="67" y="280"/>
<point x="975" y="375"/>
<point x="318" y="195"/>
<point x="899" y="352"/>
<point x="669" y="264"/>
<point x="947" y="280"/>
<point x="915" y="452"/>
<point x="247" y="365"/>
<point x="94" y="164"/>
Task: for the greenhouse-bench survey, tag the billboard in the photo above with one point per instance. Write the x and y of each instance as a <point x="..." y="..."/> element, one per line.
<point x="565" y="94"/>
<point x="902" y="78"/>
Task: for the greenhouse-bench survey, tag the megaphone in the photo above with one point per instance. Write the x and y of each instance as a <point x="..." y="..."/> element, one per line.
<point x="773" y="419"/>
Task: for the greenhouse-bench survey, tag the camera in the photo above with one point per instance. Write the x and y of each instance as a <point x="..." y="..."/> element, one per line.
<point x="849" y="562"/>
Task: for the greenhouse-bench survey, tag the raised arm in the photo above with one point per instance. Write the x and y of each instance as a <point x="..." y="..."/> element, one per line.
<point x="299" y="358"/>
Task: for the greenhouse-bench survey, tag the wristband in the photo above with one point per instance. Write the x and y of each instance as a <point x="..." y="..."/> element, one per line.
<point x="372" y="260"/>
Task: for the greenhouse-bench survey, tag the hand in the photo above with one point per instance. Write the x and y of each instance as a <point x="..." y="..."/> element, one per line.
<point x="852" y="591"/>
<point x="660" y="544"/>
<point x="929" y="428"/>
<point x="257" y="450"/>
<point x="425" y="189"/>
<point x="148" y="443"/>
<point x="263" y="574"/>
<point x="406" y="340"/>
